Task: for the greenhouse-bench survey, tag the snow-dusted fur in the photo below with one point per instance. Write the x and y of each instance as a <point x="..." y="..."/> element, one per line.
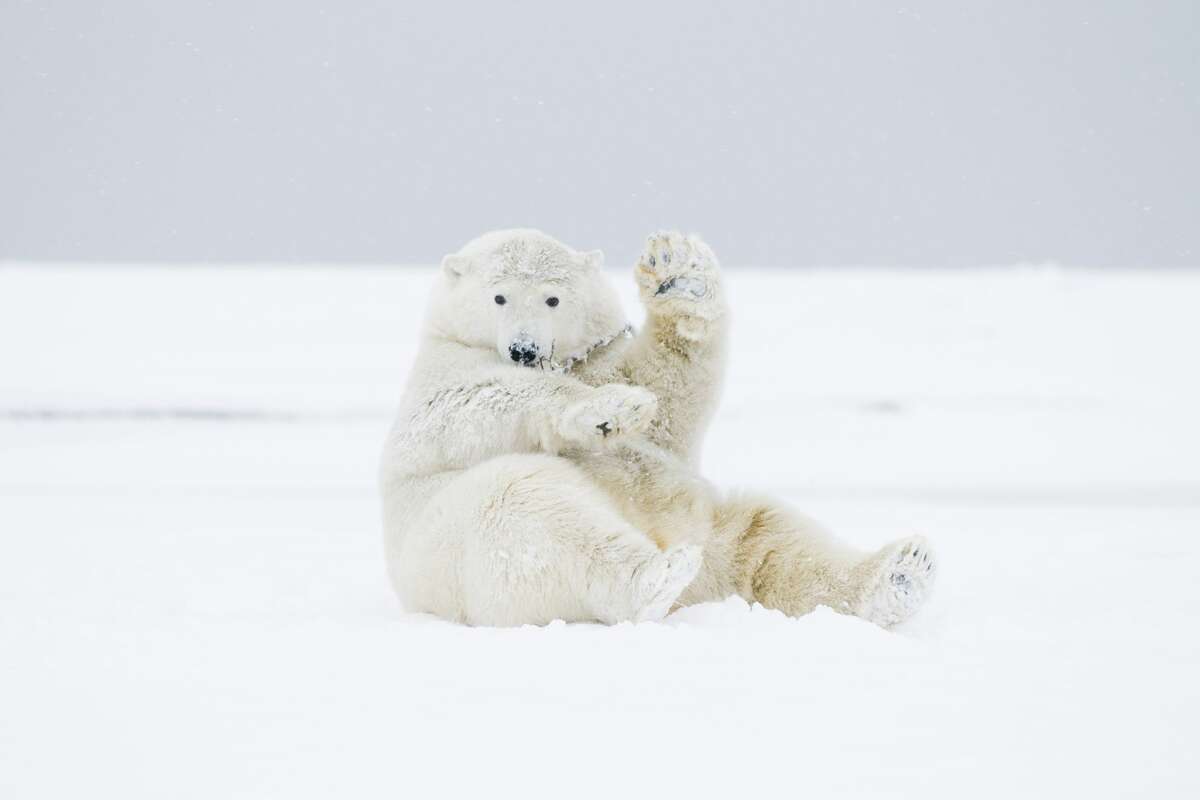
<point x="543" y="462"/>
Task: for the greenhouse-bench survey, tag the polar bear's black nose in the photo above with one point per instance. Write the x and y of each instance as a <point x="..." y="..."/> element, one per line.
<point x="522" y="352"/>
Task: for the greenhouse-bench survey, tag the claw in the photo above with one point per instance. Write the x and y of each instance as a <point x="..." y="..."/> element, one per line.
<point x="666" y="285"/>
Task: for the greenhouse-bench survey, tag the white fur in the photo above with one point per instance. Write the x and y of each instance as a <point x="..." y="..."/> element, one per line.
<point x="563" y="485"/>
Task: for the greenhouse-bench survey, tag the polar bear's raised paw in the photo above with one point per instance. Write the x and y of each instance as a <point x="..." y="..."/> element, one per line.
<point x="658" y="585"/>
<point x="678" y="276"/>
<point x="901" y="576"/>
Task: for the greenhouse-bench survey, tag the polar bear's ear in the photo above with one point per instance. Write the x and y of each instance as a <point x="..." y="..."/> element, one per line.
<point x="593" y="259"/>
<point x="455" y="265"/>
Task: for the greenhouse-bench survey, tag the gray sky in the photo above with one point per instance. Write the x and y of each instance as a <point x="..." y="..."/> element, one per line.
<point x="789" y="133"/>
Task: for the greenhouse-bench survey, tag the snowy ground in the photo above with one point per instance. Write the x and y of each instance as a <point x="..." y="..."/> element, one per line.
<point x="192" y="598"/>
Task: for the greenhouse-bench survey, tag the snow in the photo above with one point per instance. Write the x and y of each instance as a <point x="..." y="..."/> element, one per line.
<point x="193" y="604"/>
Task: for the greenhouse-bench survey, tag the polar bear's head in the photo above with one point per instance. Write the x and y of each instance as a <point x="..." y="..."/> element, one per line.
<point x="529" y="296"/>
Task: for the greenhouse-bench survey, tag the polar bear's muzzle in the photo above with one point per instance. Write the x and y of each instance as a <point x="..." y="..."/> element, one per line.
<point x="523" y="350"/>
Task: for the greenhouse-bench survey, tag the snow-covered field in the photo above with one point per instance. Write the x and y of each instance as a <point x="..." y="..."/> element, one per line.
<point x="193" y="603"/>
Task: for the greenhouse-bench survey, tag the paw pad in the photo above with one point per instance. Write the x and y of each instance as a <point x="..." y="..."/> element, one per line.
<point x="901" y="587"/>
<point x="674" y="267"/>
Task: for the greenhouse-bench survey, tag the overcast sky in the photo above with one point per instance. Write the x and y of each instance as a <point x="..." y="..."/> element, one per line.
<point x="789" y="133"/>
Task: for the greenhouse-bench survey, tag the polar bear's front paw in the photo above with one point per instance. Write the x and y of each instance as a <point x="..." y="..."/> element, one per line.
<point x="611" y="412"/>
<point x="898" y="582"/>
<point x="678" y="277"/>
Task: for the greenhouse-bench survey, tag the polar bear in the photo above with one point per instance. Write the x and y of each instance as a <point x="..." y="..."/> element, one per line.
<point x="543" y="463"/>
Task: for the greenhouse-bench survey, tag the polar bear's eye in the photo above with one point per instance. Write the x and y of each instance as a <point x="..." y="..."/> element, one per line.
<point x="552" y="301"/>
<point x="500" y="300"/>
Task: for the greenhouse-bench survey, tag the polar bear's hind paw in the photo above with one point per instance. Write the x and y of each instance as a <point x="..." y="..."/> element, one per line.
<point x="903" y="575"/>
<point x="662" y="581"/>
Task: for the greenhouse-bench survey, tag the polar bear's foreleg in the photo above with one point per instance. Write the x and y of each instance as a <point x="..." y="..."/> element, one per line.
<point x="771" y="555"/>
<point x="531" y="539"/>
<point x="680" y="352"/>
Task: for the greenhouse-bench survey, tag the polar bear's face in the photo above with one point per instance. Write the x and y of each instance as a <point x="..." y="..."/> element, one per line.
<point x="534" y="300"/>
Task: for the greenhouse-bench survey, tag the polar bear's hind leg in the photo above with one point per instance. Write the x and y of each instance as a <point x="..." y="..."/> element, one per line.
<point x="769" y="554"/>
<point x="539" y="541"/>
